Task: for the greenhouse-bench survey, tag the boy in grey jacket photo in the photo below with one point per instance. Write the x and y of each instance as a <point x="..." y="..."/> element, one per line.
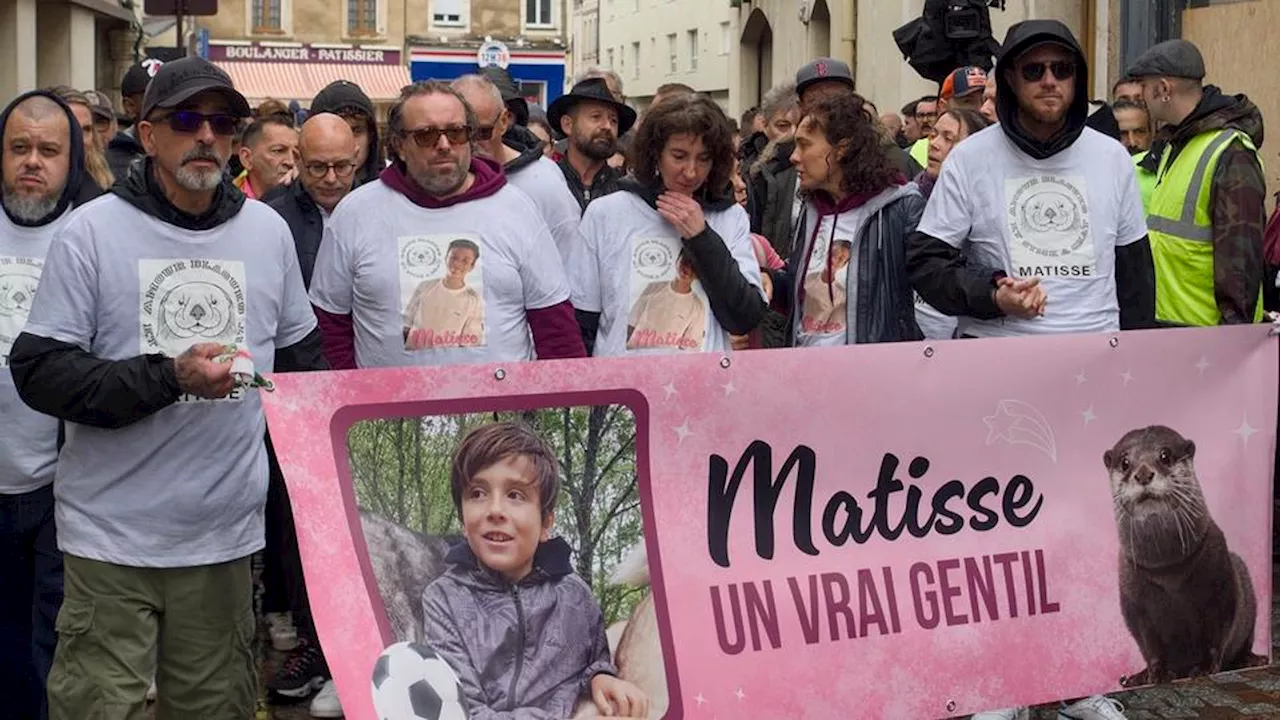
<point x="523" y="632"/>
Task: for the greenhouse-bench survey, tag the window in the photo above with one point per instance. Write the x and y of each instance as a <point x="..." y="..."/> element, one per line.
<point x="726" y="39"/>
<point x="693" y="50"/>
<point x="610" y="58"/>
<point x="537" y="13"/>
<point x="447" y="12"/>
<point x="266" y="16"/>
<point x="635" y="59"/>
<point x="362" y="17"/>
<point x="653" y="51"/>
<point x="671" y="51"/>
<point x="622" y="61"/>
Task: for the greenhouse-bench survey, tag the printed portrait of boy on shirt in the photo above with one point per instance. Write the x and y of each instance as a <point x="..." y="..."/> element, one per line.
<point x="825" y="294"/>
<point x="446" y="312"/>
<point x="669" y="314"/>
<point x="523" y="633"/>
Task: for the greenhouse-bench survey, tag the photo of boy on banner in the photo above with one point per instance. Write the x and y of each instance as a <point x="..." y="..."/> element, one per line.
<point x="486" y="607"/>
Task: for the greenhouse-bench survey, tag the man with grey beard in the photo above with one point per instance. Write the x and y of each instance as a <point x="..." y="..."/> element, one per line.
<point x="388" y="283"/>
<point x="43" y="177"/>
<point x="159" y="489"/>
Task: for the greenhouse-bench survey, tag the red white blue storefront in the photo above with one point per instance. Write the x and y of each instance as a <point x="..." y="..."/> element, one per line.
<point x="540" y="72"/>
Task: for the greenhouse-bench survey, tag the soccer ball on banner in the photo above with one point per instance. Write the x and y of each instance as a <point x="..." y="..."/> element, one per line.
<point x="412" y="682"/>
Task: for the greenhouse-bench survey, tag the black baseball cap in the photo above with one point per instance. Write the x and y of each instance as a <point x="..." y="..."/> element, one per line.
<point x="136" y="79"/>
<point x="180" y="80"/>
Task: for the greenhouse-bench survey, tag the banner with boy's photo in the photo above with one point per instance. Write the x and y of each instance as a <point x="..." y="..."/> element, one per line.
<point x="869" y="531"/>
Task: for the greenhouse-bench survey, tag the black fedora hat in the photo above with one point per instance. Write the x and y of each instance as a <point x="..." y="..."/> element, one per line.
<point x="594" y="90"/>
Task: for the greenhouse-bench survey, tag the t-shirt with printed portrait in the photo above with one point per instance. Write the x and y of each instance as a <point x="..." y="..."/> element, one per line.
<point x="196" y="471"/>
<point x="1059" y="219"/>
<point x="437" y="286"/>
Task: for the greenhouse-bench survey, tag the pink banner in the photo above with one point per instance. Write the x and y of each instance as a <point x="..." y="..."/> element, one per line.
<point x="903" y="530"/>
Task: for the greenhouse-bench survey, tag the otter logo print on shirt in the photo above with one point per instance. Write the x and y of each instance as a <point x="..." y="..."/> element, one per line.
<point x="19" y="277"/>
<point x="669" y="309"/>
<point x="1049" y="231"/>
<point x="186" y="302"/>
<point x="442" y="292"/>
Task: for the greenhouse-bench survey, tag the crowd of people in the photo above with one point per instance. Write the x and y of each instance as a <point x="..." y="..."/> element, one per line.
<point x="137" y="479"/>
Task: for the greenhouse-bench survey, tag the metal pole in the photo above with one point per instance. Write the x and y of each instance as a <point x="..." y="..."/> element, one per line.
<point x="180" y="42"/>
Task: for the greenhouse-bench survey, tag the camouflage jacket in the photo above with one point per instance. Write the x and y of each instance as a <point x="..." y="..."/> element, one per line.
<point x="526" y="651"/>
<point x="1237" y="198"/>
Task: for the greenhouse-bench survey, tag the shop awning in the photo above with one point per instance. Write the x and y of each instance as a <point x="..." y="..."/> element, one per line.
<point x="258" y="81"/>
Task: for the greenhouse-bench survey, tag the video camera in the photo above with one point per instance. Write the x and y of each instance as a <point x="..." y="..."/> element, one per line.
<point x="950" y="34"/>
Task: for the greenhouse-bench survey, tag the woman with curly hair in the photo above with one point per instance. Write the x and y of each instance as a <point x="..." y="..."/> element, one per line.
<point x="846" y="279"/>
<point x="666" y="264"/>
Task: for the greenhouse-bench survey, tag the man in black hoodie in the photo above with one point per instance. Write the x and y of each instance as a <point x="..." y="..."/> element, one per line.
<point x="124" y="148"/>
<point x="500" y="138"/>
<point x="43" y="178"/>
<point x="163" y="476"/>
<point x="345" y="99"/>
<point x="1038" y="185"/>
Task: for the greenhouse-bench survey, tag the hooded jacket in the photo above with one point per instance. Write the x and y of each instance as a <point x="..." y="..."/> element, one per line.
<point x="295" y="205"/>
<point x="67" y="382"/>
<point x="736" y="303"/>
<point x="883" y="309"/>
<point x="80" y="187"/>
<point x="939" y="272"/>
<point x="344" y="95"/>
<point x="522" y="140"/>
<point x="123" y="150"/>
<point x="527" y="650"/>
<point x="554" y="329"/>
<point x="1237" y="199"/>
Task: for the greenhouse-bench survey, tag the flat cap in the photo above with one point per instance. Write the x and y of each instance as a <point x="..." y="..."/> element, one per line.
<point x="1171" y="58"/>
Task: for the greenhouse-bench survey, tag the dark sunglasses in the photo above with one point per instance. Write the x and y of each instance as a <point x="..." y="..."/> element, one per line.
<point x="430" y="137"/>
<point x="318" y="170"/>
<point x="1061" y="69"/>
<point x="484" y="133"/>
<point x="190" y="121"/>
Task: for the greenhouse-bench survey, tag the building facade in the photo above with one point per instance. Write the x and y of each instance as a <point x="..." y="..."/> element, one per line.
<point x="777" y="37"/>
<point x="584" y="37"/>
<point x="652" y="42"/>
<point x="86" y="44"/>
<point x="528" y="38"/>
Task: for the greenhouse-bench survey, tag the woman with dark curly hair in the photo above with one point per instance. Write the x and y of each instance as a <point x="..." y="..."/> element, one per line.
<point x="666" y="264"/>
<point x="846" y="279"/>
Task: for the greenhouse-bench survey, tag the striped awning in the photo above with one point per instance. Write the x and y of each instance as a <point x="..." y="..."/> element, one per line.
<point x="258" y="81"/>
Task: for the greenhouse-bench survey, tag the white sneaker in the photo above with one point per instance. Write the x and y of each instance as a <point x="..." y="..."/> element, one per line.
<point x="1006" y="714"/>
<point x="284" y="636"/>
<point x="151" y="692"/>
<point x="325" y="704"/>
<point x="1097" y="707"/>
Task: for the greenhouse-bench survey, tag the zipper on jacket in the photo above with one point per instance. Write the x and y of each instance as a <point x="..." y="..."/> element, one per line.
<point x="515" y="676"/>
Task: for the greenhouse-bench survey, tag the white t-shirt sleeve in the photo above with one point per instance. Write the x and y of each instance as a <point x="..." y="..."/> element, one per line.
<point x="1131" y="226"/>
<point x="738" y="239"/>
<point x="948" y="215"/>
<point x="66" y="300"/>
<point x="584" y="265"/>
<point x="333" y="278"/>
<point x="542" y="271"/>
<point x="297" y="319"/>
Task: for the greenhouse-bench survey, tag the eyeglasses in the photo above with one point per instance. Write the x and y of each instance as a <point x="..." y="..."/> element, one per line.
<point x="484" y="133"/>
<point x="1061" y="69"/>
<point x="318" y="170"/>
<point x="190" y="121"/>
<point x="430" y="136"/>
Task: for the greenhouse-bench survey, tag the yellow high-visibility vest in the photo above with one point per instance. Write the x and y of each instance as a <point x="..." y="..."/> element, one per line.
<point x="1180" y="227"/>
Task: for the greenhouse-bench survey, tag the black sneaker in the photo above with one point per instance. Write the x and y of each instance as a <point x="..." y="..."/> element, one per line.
<point x="302" y="673"/>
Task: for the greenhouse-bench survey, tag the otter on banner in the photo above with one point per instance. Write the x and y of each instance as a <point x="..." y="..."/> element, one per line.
<point x="1062" y="501"/>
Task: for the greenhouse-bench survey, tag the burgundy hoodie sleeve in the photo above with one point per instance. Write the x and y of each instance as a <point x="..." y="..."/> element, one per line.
<point x="556" y="334"/>
<point x="337" y="338"/>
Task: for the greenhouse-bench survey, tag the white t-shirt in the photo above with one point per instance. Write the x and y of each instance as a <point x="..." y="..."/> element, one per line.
<point x="1059" y="219"/>
<point x="382" y="256"/>
<point x="629" y="269"/>
<point x="29" y="443"/>
<point x="545" y="185"/>
<point x="185" y="486"/>
<point x="822" y="319"/>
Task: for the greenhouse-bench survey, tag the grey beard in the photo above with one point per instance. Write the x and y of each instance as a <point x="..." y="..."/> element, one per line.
<point x="29" y="209"/>
<point x="441" y="184"/>
<point x="196" y="180"/>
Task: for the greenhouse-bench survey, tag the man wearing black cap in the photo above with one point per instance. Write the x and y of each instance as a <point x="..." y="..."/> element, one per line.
<point x="42" y="156"/>
<point x="161" y="483"/>
<point x="591" y="119"/>
<point x="1039" y="185"/>
<point x="1210" y="192"/>
<point x="345" y="99"/>
<point x="124" y="148"/>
